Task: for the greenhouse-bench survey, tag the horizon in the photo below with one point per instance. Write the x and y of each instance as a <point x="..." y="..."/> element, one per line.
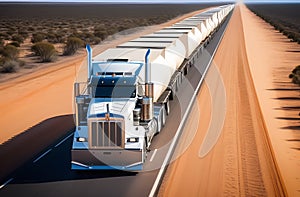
<point x="149" y="1"/>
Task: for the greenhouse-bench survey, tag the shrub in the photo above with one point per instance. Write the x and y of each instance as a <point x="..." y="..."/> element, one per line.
<point x="38" y="37"/>
<point x="60" y="38"/>
<point x="50" y="36"/>
<point x="296" y="79"/>
<point x="92" y="40"/>
<point x="295" y="75"/>
<point x="16" y="44"/>
<point x="18" y="38"/>
<point x="11" y="32"/>
<point x="86" y="35"/>
<point x="10" y="52"/>
<point x="73" y="44"/>
<point x="45" y="51"/>
<point x="102" y="34"/>
<point x="57" y="37"/>
<point x="296" y="70"/>
<point x="75" y="33"/>
<point x="112" y="30"/>
<point x="96" y="40"/>
<point x="9" y="65"/>
<point x="5" y="35"/>
<point x="30" y="28"/>
<point x="122" y="28"/>
<point x="23" y="33"/>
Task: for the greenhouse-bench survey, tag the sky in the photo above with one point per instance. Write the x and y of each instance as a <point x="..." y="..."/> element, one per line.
<point x="151" y="1"/>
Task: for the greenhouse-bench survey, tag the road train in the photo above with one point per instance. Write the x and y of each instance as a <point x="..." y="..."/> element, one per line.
<point x="125" y="100"/>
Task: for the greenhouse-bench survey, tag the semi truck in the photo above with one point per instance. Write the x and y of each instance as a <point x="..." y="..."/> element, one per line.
<point x="124" y="100"/>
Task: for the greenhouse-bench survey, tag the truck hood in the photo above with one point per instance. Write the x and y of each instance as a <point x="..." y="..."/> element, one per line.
<point x="118" y="106"/>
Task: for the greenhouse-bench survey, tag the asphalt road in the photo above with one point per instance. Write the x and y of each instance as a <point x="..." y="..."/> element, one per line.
<point x="49" y="174"/>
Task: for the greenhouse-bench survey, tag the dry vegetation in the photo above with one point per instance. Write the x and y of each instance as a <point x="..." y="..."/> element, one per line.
<point x="295" y="75"/>
<point x="52" y="30"/>
<point x="286" y="19"/>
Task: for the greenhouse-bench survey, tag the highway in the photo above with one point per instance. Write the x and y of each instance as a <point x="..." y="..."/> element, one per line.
<point x="49" y="174"/>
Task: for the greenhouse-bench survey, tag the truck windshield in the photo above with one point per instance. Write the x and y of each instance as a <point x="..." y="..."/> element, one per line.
<point x="110" y="91"/>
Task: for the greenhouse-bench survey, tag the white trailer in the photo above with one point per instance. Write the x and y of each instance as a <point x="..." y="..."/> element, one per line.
<point x="194" y="23"/>
<point x="125" y="100"/>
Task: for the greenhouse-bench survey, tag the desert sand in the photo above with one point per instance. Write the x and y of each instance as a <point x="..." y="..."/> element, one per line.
<point x="242" y="163"/>
<point x="272" y="57"/>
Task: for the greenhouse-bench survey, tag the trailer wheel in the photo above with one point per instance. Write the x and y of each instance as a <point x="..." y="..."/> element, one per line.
<point x="185" y="71"/>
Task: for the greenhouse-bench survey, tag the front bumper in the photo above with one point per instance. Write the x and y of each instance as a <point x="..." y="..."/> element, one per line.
<point x="116" y="159"/>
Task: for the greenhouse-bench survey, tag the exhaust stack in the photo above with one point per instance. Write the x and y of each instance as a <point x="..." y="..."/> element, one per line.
<point x="147" y="102"/>
<point x="89" y="60"/>
<point x="148" y="85"/>
<point x="147" y="67"/>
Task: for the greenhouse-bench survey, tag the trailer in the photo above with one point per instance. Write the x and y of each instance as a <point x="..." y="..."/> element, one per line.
<point x="125" y="99"/>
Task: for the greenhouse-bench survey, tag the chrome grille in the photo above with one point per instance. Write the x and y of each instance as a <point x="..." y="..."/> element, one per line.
<point x="106" y="134"/>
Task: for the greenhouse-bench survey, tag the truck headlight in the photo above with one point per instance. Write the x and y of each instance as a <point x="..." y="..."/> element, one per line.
<point x="81" y="139"/>
<point x="133" y="139"/>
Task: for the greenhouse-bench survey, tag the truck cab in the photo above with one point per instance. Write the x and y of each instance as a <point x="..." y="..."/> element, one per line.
<point x="114" y="117"/>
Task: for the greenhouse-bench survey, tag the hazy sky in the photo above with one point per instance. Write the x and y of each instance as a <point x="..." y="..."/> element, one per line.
<point x="150" y="1"/>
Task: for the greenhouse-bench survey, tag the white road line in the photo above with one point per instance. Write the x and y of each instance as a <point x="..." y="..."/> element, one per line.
<point x="153" y="155"/>
<point x="175" y="138"/>
<point x="63" y="140"/>
<point x="4" y="184"/>
<point x="42" y="155"/>
<point x="9" y="180"/>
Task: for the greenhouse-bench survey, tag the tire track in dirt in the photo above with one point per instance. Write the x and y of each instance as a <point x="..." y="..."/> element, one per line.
<point x="258" y="172"/>
<point x="249" y="170"/>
